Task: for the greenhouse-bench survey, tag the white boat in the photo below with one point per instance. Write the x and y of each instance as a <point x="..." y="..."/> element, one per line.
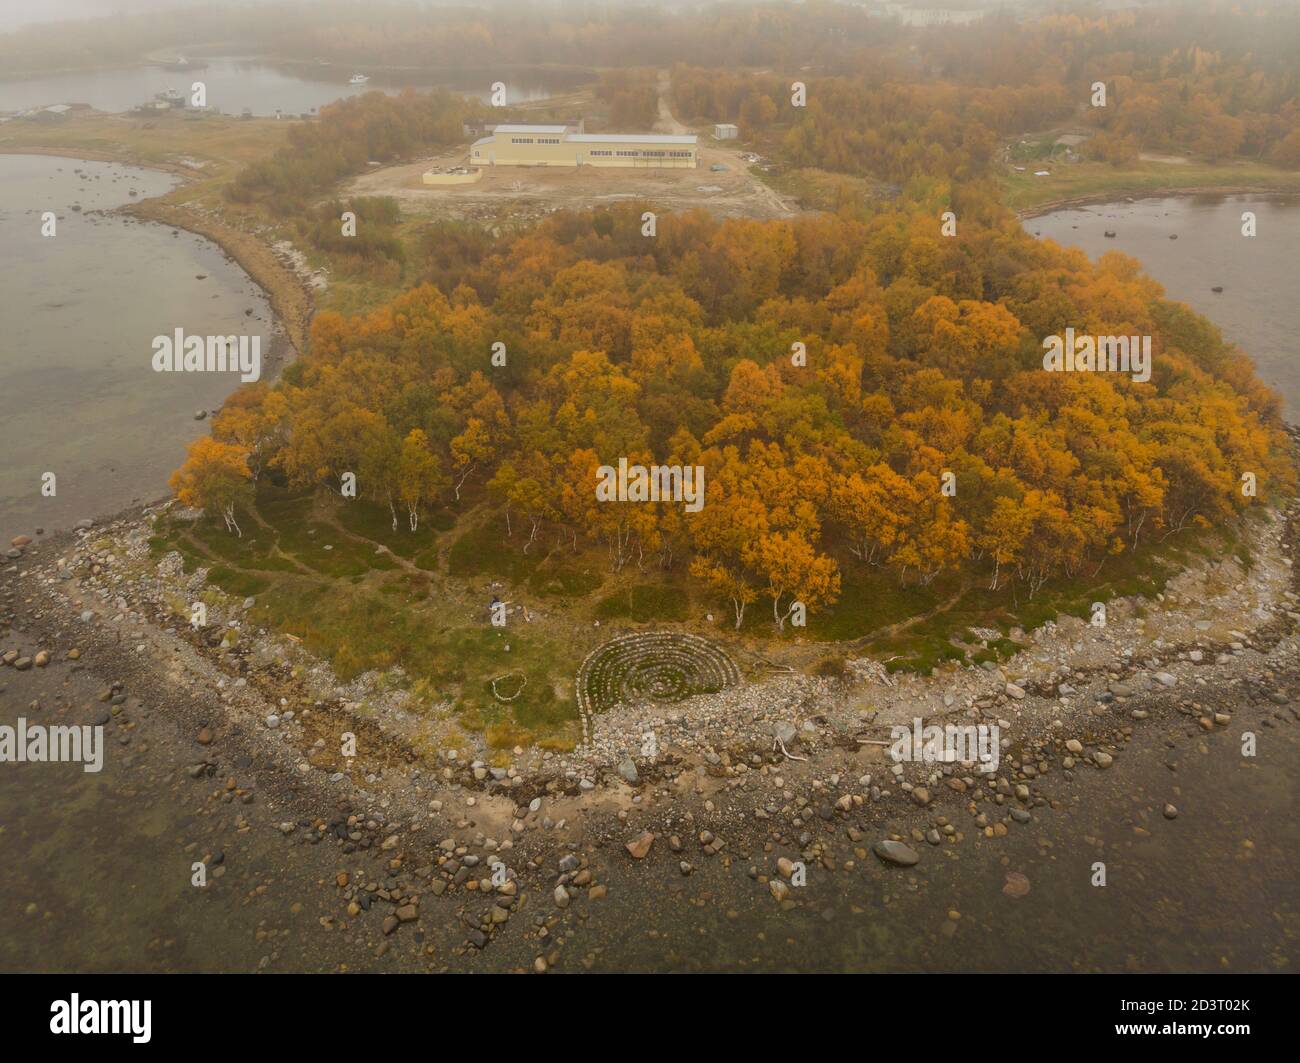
<point x="358" y="79"/>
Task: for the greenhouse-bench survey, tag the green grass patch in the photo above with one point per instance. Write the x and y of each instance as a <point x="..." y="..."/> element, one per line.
<point x="236" y="583"/>
<point x="373" y="521"/>
<point x="870" y="599"/>
<point x="484" y="551"/>
<point x="645" y="603"/>
<point x="924" y="644"/>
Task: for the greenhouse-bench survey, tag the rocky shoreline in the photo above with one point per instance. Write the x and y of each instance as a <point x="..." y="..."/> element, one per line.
<point x="1132" y="195"/>
<point x="755" y="780"/>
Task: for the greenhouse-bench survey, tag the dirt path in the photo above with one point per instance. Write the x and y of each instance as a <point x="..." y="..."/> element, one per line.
<point x="667" y="122"/>
<point x="329" y="517"/>
<point x="903" y="625"/>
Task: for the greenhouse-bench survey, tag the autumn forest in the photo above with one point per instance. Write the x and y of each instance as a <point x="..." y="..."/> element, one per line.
<point x="863" y="386"/>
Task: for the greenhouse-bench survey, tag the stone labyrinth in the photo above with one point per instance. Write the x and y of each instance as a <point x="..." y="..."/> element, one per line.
<point x="661" y="666"/>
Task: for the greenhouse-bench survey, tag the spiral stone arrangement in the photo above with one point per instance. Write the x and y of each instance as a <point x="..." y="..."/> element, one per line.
<point x="662" y="666"/>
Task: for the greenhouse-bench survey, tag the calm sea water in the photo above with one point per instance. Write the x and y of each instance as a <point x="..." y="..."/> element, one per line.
<point x="236" y="84"/>
<point x="1259" y="307"/>
<point x="78" y="313"/>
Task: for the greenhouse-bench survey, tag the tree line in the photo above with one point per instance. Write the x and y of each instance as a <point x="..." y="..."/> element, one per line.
<point x="923" y="367"/>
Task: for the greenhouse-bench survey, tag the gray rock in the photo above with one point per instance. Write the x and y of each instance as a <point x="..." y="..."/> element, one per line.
<point x="627" y="771"/>
<point x="892" y="852"/>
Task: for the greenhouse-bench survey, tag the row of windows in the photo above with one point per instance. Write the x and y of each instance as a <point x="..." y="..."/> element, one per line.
<point x="641" y="154"/>
<point x="648" y="153"/>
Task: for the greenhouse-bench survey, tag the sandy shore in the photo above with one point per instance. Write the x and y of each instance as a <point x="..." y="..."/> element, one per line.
<point x="290" y="297"/>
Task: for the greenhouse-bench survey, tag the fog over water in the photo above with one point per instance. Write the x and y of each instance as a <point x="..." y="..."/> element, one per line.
<point x="236" y="84"/>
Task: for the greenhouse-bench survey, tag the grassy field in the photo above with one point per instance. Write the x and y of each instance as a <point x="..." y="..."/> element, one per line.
<point x="220" y="145"/>
<point x="372" y="600"/>
<point x="1081" y="181"/>
<point x="412" y="609"/>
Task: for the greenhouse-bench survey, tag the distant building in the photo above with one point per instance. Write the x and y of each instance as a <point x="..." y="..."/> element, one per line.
<point x="479" y="127"/>
<point x="725" y="132"/>
<point x="56" y="113"/>
<point x="563" y="145"/>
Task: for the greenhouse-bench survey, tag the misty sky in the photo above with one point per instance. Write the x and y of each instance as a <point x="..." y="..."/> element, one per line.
<point x="16" y="13"/>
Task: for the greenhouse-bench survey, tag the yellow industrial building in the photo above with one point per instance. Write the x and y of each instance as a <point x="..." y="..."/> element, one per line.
<point x="564" y="145"/>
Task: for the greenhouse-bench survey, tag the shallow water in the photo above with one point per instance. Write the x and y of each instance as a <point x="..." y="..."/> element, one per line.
<point x="1259" y="307"/>
<point x="78" y="313"/>
<point x="1213" y="890"/>
<point x="235" y="84"/>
